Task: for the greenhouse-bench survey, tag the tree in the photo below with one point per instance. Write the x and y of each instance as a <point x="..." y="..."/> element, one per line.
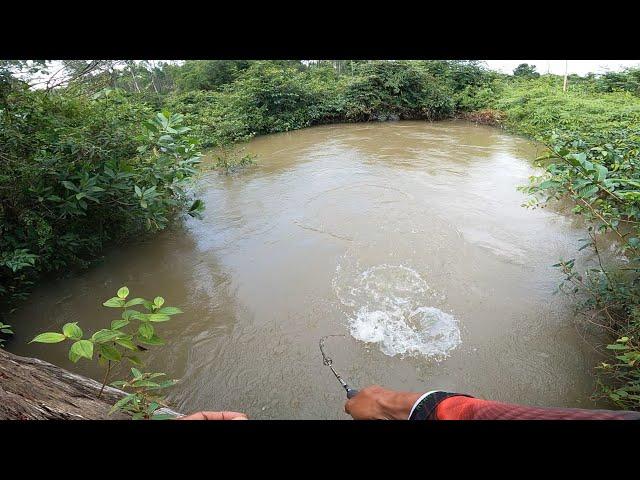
<point x="524" y="70"/>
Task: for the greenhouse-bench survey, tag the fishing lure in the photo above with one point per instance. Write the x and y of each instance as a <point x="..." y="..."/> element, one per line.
<point x="351" y="392"/>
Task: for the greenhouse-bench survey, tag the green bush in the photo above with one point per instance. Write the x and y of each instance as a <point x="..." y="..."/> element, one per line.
<point x="79" y="173"/>
<point x="600" y="175"/>
<point x="384" y="90"/>
<point x="536" y="107"/>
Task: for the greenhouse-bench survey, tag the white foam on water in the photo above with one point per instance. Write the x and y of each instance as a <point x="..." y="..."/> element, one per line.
<point x="390" y="308"/>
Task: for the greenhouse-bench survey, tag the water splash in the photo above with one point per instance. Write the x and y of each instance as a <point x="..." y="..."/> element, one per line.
<point x="390" y="307"/>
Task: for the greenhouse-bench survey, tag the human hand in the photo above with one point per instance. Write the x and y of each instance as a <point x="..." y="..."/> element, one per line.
<point x="214" y="416"/>
<point x="377" y="403"/>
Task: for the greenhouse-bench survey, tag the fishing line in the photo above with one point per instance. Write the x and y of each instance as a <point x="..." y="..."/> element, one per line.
<point x="326" y="360"/>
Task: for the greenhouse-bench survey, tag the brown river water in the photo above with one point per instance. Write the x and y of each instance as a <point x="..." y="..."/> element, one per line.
<point x="407" y="237"/>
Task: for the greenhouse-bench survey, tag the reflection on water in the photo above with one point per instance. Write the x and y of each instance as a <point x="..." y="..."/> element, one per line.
<point x="408" y="235"/>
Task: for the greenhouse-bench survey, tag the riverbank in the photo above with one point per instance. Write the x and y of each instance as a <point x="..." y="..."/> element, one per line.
<point x="32" y="389"/>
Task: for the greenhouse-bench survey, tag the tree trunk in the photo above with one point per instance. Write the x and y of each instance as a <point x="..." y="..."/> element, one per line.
<point x="32" y="389"/>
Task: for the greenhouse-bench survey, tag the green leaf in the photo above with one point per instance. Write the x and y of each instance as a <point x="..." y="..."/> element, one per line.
<point x="114" y="302"/>
<point x="49" y="337"/>
<point x="126" y="343"/>
<point x="119" y="323"/>
<point x="139" y="315"/>
<point x="121" y="403"/>
<point x="170" y="310"/>
<point x="146" y="330"/>
<point x="73" y="356"/>
<point x="83" y="348"/>
<point x="616" y="346"/>
<point x="72" y="330"/>
<point x="110" y="353"/>
<point x="576" y="159"/>
<point x="123" y="292"/>
<point x="134" y="301"/>
<point x="158" y="317"/>
<point x="588" y="191"/>
<point x="158" y="301"/>
<point x="69" y="186"/>
<point x="602" y="171"/>
<point x="145" y="383"/>
<point x="106" y="335"/>
<point x="138" y="191"/>
<point x="154" y="340"/>
<point x="136" y="373"/>
<point x="135" y="360"/>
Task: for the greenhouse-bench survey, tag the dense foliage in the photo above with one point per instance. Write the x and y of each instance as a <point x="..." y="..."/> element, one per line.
<point x="80" y="173"/>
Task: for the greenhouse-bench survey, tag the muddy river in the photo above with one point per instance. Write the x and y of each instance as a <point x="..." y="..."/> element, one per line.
<point x="407" y="237"/>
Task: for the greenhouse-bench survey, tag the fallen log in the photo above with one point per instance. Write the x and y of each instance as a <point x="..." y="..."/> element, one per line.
<point x="32" y="389"/>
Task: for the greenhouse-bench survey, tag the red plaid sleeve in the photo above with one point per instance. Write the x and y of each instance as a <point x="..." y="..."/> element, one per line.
<point x="468" y="408"/>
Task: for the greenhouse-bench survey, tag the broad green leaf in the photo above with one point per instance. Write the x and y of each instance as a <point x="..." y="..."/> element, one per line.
<point x="576" y="159"/>
<point x="73" y="356"/>
<point x="158" y="317"/>
<point x="170" y="310"/>
<point x="146" y="330"/>
<point x="83" y="348"/>
<point x="588" y="191"/>
<point x="123" y="292"/>
<point x="144" y="383"/>
<point x="68" y="185"/>
<point x="135" y="360"/>
<point x="167" y="383"/>
<point x="158" y="301"/>
<point x="121" y="403"/>
<point x="126" y="343"/>
<point x="136" y="373"/>
<point x="72" y="330"/>
<point x="114" y="302"/>
<point x="154" y="340"/>
<point x="49" y="337"/>
<point x="119" y="323"/>
<point x="110" y="353"/>
<point x="602" y="171"/>
<point x="134" y="301"/>
<point x="139" y="316"/>
<point x="106" y="335"/>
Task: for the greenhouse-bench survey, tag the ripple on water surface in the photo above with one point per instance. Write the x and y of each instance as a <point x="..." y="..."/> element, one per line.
<point x="390" y="306"/>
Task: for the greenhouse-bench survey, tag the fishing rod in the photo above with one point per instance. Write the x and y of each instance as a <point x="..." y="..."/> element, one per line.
<point x="351" y="392"/>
